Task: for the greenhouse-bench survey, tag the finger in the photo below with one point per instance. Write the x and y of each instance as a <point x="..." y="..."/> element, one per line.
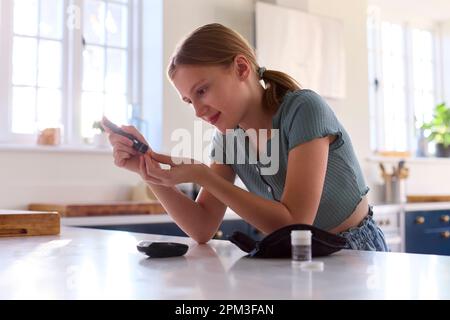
<point x="123" y="155"/>
<point x="154" y="171"/>
<point x="119" y="162"/>
<point x="144" y="172"/>
<point x="120" y="159"/>
<point x="126" y="149"/>
<point x="117" y="139"/>
<point x="162" y="158"/>
<point x="132" y="130"/>
<point x="107" y="130"/>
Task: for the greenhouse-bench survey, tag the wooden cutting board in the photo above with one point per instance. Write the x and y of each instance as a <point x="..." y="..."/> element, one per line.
<point x="27" y="223"/>
<point x="100" y="209"/>
<point x="428" y="198"/>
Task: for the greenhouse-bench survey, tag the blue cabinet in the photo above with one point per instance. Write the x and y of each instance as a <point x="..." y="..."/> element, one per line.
<point x="428" y="232"/>
<point x="171" y="229"/>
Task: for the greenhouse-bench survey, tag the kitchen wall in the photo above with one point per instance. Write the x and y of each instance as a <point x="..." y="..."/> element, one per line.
<point x="30" y="175"/>
<point x="47" y="176"/>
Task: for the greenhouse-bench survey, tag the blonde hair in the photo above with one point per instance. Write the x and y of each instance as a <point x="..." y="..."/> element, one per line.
<point x="215" y="44"/>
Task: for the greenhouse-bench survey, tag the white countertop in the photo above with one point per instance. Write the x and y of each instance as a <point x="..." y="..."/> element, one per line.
<point x="95" y="264"/>
<point x="427" y="206"/>
<point x="412" y="207"/>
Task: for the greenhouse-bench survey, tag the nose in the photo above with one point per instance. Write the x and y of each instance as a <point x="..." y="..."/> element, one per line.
<point x="200" y="110"/>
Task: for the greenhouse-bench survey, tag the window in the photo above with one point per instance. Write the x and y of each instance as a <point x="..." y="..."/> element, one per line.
<point x="62" y="75"/>
<point x="105" y="62"/>
<point x="402" y="85"/>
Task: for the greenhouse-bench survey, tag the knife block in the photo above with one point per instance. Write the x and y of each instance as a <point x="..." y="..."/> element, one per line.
<point x="28" y="223"/>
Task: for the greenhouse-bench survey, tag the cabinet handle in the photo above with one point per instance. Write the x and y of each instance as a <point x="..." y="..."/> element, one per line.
<point x="219" y="234"/>
<point x="381" y="223"/>
<point x="445" y="234"/>
<point x="445" y="218"/>
<point x="387" y="222"/>
<point x="420" y="220"/>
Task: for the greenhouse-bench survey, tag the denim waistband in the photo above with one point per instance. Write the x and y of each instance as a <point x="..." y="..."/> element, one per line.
<point x="366" y="236"/>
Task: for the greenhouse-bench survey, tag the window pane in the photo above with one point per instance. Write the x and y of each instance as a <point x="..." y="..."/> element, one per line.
<point x="116" y="25"/>
<point x="395" y="119"/>
<point x="116" y="108"/>
<point x="423" y="107"/>
<point x="24" y="111"/>
<point x="423" y="75"/>
<point x="423" y="70"/>
<point x="91" y="111"/>
<point x="116" y="74"/>
<point x="422" y="42"/>
<point x="51" y="22"/>
<point x="93" y="68"/>
<point x="392" y="39"/>
<point x="24" y="61"/>
<point x="94" y="22"/>
<point x="394" y="87"/>
<point x="48" y="108"/>
<point x="26" y="17"/>
<point x="50" y="53"/>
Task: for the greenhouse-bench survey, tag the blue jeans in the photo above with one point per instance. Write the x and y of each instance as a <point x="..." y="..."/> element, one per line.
<point x="367" y="236"/>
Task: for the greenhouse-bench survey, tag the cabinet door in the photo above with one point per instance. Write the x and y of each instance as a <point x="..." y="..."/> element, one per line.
<point x="428" y="232"/>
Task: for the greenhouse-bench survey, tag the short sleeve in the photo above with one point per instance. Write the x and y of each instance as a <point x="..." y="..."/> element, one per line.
<point x="308" y="118"/>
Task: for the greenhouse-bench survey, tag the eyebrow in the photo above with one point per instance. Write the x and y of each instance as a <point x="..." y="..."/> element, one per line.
<point x="193" y="87"/>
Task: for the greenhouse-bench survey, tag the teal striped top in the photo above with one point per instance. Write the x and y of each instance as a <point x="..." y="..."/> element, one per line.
<point x="302" y="116"/>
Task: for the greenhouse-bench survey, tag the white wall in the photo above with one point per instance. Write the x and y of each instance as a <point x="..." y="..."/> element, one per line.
<point x="49" y="176"/>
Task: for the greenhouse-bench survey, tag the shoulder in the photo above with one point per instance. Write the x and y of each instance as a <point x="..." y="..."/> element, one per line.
<point x="305" y="116"/>
<point x="303" y="98"/>
<point x="304" y="105"/>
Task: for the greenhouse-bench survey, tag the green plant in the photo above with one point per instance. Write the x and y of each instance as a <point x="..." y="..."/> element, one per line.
<point x="98" y="125"/>
<point x="439" y="126"/>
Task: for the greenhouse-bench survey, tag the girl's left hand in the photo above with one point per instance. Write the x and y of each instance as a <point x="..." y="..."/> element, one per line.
<point x="181" y="169"/>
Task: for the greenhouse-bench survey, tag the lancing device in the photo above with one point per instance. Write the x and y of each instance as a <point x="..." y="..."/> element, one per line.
<point x="137" y="145"/>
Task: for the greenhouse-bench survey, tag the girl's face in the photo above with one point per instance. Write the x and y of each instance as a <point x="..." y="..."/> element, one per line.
<point x="217" y="93"/>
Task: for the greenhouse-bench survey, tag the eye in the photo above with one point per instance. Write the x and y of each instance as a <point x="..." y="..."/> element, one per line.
<point x="201" y="91"/>
<point x="187" y="101"/>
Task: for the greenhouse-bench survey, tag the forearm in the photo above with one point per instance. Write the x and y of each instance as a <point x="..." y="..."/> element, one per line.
<point x="190" y="216"/>
<point x="266" y="215"/>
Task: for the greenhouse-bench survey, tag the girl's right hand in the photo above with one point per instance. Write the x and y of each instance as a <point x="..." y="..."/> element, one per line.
<point x="124" y="155"/>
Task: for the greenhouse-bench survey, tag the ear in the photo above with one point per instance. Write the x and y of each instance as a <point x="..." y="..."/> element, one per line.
<point x="242" y="67"/>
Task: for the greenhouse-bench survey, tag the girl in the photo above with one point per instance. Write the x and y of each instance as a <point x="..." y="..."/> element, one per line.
<point x="317" y="180"/>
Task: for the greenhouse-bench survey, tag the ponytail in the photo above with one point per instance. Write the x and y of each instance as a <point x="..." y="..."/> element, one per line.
<point x="277" y="84"/>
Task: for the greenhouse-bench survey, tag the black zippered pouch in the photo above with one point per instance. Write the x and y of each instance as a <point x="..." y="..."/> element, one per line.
<point x="278" y="243"/>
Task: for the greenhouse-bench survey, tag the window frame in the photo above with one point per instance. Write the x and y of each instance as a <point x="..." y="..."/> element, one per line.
<point x="376" y="95"/>
<point x="71" y="73"/>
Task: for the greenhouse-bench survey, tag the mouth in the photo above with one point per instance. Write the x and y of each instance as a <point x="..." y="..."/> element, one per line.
<point x="214" y="118"/>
